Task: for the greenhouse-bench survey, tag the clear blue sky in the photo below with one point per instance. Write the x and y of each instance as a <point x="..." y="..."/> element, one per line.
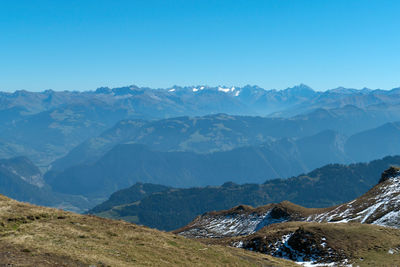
<point x="82" y="45"/>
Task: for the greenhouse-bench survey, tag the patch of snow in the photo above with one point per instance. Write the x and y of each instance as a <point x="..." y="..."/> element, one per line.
<point x="390" y="219"/>
<point x="369" y="211"/>
<point x="195" y="89"/>
<point x="394" y="250"/>
<point x="313" y="264"/>
<point x="225" y="90"/>
<point x="344" y="263"/>
<point x="231" y="225"/>
<point x="172" y="90"/>
<point x="323" y="243"/>
<point x="238" y="244"/>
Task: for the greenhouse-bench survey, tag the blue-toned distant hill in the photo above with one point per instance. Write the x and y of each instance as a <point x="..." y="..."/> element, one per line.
<point x="220" y="132"/>
<point x="46" y="125"/>
<point x="377" y="142"/>
<point x="210" y="150"/>
<point x="127" y="164"/>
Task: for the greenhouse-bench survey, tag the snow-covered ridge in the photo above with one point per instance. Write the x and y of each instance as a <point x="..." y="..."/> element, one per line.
<point x="235" y="222"/>
<point x="233" y="91"/>
<point x="226" y="90"/>
<point x="380" y="205"/>
<point x="229" y="225"/>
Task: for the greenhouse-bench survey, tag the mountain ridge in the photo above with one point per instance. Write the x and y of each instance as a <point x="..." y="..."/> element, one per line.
<point x="380" y="205"/>
<point x="324" y="187"/>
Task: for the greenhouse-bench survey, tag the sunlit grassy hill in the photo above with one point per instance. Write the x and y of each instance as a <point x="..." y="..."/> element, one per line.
<point x="37" y="236"/>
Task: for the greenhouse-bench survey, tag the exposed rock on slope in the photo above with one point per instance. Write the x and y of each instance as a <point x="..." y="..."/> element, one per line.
<point x="325" y="243"/>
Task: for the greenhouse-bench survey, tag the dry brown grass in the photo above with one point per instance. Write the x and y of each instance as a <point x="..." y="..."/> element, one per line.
<point x="288" y="206"/>
<point x="37" y="236"/>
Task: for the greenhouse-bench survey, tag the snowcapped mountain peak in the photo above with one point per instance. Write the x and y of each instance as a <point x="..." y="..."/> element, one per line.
<point x="225" y="90"/>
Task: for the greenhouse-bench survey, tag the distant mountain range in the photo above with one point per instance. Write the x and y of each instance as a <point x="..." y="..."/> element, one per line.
<point x="178" y="152"/>
<point x="170" y="209"/>
<point x="87" y="145"/>
<point x="46" y="125"/>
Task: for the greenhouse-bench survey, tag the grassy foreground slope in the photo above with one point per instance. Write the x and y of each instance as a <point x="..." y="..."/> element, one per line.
<point x="37" y="236"/>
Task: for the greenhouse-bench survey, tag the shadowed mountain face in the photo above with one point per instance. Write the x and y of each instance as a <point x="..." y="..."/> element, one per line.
<point x="170" y="157"/>
<point x="127" y="164"/>
<point x="22" y="180"/>
<point x="381" y="141"/>
<point x="223" y="132"/>
<point x="46" y="125"/>
<point x="323" y="187"/>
